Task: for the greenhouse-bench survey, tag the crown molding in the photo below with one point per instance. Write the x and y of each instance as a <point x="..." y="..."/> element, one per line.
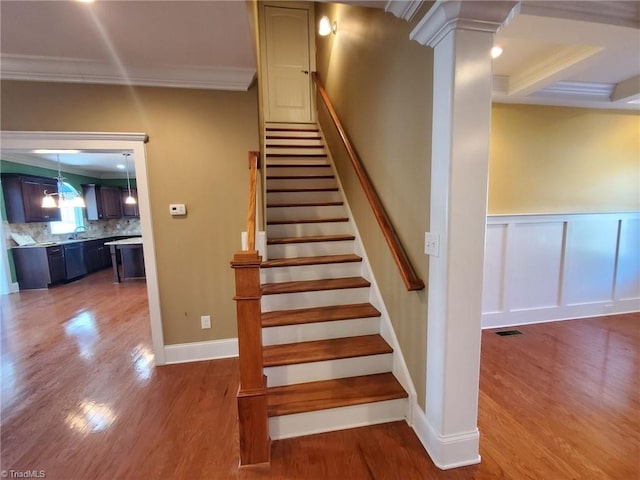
<point x="586" y="90"/>
<point x="18" y="136"/>
<point x="404" y="9"/>
<point x="448" y="15"/>
<point x="627" y="90"/>
<point x="619" y="13"/>
<point x="74" y="70"/>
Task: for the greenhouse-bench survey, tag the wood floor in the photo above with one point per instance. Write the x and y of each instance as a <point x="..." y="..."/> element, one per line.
<point x="82" y="400"/>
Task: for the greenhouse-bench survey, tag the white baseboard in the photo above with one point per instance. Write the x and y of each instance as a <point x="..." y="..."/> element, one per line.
<point x="446" y="451"/>
<point x="199" y="351"/>
<point x="559" y="313"/>
<point x="14" y="287"/>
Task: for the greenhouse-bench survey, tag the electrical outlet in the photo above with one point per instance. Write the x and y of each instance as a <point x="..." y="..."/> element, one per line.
<point x="432" y="244"/>
<point x="205" y="321"/>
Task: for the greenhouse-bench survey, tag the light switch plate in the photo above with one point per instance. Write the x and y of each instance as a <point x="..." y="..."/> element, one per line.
<point x="432" y="244"/>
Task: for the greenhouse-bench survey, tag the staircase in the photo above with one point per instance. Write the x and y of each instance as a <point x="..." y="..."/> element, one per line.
<point x="327" y="365"/>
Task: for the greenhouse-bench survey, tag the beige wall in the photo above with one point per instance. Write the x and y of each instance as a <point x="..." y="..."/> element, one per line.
<point x="558" y="159"/>
<point x="197" y="155"/>
<point x="381" y="86"/>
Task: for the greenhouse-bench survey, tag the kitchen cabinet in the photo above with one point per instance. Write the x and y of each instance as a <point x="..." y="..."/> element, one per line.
<point x="97" y="256"/>
<point x="130" y="210"/>
<point x="39" y="267"/>
<point x="103" y="202"/>
<point x="23" y="198"/>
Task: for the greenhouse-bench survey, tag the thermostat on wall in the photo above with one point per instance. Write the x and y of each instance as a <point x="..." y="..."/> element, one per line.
<point x="177" y="209"/>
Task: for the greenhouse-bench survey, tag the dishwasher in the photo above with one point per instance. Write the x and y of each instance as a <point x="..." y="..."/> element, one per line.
<point x="74" y="261"/>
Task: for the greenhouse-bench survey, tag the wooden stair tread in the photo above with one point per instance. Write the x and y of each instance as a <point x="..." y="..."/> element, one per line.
<point x="296" y="155"/>
<point x="318" y="314"/>
<point x="278" y="129"/>
<point x="309" y="239"/>
<point x="314" y="285"/>
<point x="342" y="392"/>
<point x="305" y="204"/>
<point x="299" y="165"/>
<point x="308" y="220"/>
<point x="293" y="146"/>
<point x="322" y="350"/>
<point x="319" y="260"/>
<point x="299" y="177"/>
<point x="295" y="190"/>
<point x="292" y="137"/>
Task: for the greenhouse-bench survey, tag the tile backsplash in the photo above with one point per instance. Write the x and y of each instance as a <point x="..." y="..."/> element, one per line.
<point x="99" y="228"/>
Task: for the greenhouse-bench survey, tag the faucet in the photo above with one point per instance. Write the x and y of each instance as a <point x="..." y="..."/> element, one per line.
<point x="76" y="231"/>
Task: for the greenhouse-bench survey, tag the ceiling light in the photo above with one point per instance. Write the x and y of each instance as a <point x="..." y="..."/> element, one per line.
<point x="86" y="1"/>
<point x="120" y="166"/>
<point x="130" y="200"/>
<point x="496" y="52"/>
<point x="325" y="27"/>
<point x="65" y="199"/>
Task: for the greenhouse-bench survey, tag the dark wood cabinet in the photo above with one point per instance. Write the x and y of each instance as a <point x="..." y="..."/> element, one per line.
<point x="96" y="255"/>
<point x="23" y="198"/>
<point x="130" y="210"/>
<point x="103" y="203"/>
<point x="39" y="267"/>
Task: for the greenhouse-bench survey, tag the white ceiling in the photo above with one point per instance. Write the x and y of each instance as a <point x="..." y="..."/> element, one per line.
<point x="561" y="53"/>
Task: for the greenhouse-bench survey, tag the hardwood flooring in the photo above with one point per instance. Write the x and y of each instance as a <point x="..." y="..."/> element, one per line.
<point x="82" y="400"/>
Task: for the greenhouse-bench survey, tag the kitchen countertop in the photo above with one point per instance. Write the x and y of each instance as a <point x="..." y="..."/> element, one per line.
<point x="126" y="241"/>
<point x="87" y="239"/>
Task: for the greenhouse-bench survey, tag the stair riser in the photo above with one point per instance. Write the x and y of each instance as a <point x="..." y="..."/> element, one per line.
<point x="290" y="127"/>
<point x="308" y="229"/>
<point x="290" y="141"/>
<point x="302" y="182"/>
<point x="310" y="272"/>
<point x="320" y="331"/>
<point x="324" y="298"/>
<point x="319" y="421"/>
<point x="316" y="249"/>
<point x="296" y="151"/>
<point x="296" y="161"/>
<point x="299" y="171"/>
<point x="328" y="370"/>
<point x="303" y="197"/>
<point x="309" y="213"/>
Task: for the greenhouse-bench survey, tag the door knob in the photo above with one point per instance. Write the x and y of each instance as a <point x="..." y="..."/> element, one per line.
<point x="306" y="72"/>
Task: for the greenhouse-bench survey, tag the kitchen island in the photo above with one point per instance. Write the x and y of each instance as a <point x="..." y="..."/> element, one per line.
<point x="131" y="258"/>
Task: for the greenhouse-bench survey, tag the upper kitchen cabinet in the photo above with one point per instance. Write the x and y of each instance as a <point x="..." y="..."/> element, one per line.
<point x="23" y="198"/>
<point x="130" y="210"/>
<point x="103" y="203"/>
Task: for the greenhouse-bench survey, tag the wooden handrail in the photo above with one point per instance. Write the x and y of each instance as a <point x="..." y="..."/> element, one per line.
<point x="251" y="216"/>
<point x="409" y="276"/>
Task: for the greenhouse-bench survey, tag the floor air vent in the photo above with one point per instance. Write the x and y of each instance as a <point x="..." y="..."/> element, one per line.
<point x="506" y="333"/>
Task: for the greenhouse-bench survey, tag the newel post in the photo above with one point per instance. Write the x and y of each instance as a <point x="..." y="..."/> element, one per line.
<point x="255" y="444"/>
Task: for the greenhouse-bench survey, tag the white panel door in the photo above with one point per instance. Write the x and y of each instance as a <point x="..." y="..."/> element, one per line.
<point x="288" y="64"/>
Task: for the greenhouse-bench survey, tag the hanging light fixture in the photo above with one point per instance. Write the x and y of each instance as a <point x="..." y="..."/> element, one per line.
<point x="65" y="199"/>
<point x="130" y="200"/>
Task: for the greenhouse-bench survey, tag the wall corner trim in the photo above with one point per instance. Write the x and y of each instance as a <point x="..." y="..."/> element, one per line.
<point x="199" y="351"/>
<point x="447" y="15"/>
<point x="446" y="451"/>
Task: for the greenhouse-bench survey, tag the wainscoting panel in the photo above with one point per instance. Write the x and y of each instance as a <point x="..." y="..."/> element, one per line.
<point x="542" y="268"/>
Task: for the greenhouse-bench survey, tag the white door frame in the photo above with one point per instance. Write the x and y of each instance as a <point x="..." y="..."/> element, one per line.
<point x="131" y="142"/>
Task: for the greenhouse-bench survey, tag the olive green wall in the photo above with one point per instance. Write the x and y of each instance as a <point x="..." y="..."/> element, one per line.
<point x="197" y="155"/>
<point x="563" y="160"/>
<point x="380" y="84"/>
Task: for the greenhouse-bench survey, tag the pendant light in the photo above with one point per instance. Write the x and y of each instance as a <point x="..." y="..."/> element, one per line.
<point x="130" y="200"/>
<point x="64" y="198"/>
